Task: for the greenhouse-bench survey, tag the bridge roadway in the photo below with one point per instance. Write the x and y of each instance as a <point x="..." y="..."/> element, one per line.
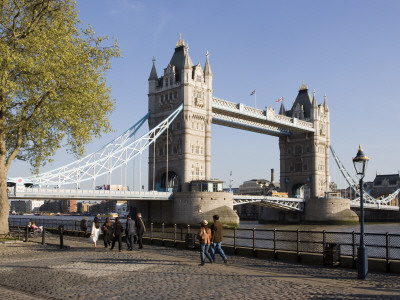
<point x="81" y="194"/>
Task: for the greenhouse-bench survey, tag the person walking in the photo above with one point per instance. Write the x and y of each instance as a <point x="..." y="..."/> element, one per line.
<point x="204" y="236"/>
<point x="107" y="233"/>
<point x="140" y="229"/>
<point x="94" y="234"/>
<point x="130" y="232"/>
<point x="118" y="229"/>
<point x="216" y="239"/>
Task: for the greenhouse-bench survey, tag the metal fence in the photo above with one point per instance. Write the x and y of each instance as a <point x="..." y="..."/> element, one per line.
<point x="380" y="245"/>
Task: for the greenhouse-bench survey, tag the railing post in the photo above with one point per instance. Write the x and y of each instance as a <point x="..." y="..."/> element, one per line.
<point x="297" y="245"/>
<point x="234" y="240"/>
<point x="387" y="252"/>
<point x="18" y="233"/>
<point x="43" y="236"/>
<point x="354" y="249"/>
<point x="188" y="229"/>
<point x="254" y="241"/>
<point x="26" y="233"/>
<point x="61" y="232"/>
<point x="151" y="233"/>
<point x="174" y="235"/>
<point x="162" y="233"/>
<point x="323" y="246"/>
<point x="181" y="232"/>
<point x="274" y="243"/>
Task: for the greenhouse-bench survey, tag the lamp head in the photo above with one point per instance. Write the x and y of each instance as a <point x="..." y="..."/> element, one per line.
<point x="360" y="162"/>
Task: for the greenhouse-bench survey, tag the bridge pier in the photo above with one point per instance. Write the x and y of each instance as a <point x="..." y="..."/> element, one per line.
<point x="328" y="210"/>
<point x="188" y="208"/>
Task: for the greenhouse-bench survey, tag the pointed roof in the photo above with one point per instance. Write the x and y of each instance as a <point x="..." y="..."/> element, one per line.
<point x="304" y="100"/>
<point x="153" y="73"/>
<point x="325" y="104"/>
<point x="207" y="68"/>
<point x="282" y="109"/>
<point x="181" y="58"/>
<point x="314" y="101"/>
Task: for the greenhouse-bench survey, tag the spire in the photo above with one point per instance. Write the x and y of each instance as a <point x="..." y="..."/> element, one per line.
<point x="314" y="101"/>
<point x="207" y="68"/>
<point x="303" y="87"/>
<point x="325" y="103"/>
<point x="153" y="73"/>
<point x="180" y="42"/>
<point x="282" y="109"/>
<point x="188" y="62"/>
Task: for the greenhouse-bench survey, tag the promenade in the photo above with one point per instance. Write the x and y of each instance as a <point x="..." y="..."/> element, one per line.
<point x="32" y="271"/>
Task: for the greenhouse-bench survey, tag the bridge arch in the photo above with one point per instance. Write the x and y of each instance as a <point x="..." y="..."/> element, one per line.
<point x="301" y="190"/>
<point x="173" y="182"/>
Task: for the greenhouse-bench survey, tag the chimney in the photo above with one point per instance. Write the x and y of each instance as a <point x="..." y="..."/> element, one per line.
<point x="272" y="176"/>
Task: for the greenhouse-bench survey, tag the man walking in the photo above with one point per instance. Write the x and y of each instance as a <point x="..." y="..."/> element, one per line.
<point x="130" y="232"/>
<point x="217" y="233"/>
<point x="140" y="229"/>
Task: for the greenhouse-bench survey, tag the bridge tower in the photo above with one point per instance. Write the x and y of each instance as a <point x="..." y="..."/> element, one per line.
<point x="185" y="151"/>
<point x="304" y="157"/>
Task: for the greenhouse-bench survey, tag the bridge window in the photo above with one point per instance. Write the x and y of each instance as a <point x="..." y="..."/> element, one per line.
<point x="170" y="81"/>
<point x="289" y="151"/>
<point x="175" y="94"/>
<point x="305" y="167"/>
<point x="298" y="167"/>
<point x="298" y="149"/>
<point x="166" y="81"/>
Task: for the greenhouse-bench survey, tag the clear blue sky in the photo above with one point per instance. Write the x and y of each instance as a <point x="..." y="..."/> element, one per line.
<point x="348" y="49"/>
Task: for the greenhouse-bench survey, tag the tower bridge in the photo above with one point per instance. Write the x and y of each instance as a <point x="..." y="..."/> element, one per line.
<point x="182" y="108"/>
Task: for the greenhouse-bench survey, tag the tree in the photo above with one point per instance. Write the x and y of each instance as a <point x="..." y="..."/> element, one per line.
<point x="53" y="89"/>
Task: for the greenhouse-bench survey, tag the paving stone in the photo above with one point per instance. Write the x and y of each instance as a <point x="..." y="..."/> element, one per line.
<point x="32" y="271"/>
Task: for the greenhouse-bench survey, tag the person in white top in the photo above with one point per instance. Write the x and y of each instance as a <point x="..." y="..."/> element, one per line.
<point x="94" y="235"/>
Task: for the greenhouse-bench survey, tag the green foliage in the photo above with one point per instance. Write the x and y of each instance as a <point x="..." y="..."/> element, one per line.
<point x="52" y="80"/>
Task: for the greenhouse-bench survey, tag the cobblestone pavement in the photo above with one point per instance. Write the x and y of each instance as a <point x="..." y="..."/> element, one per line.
<point x="32" y="271"/>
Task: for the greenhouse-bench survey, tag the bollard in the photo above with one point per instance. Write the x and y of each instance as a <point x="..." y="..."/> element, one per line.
<point x="174" y="235"/>
<point x="43" y="236"/>
<point x="61" y="231"/>
<point x="26" y="233"/>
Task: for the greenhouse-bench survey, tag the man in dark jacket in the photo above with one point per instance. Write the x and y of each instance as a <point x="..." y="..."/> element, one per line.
<point x="140" y="229"/>
<point x="216" y="239"/>
<point x="130" y="232"/>
<point x="117" y="234"/>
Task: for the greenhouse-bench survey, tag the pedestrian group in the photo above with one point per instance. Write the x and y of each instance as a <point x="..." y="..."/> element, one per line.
<point x="210" y="238"/>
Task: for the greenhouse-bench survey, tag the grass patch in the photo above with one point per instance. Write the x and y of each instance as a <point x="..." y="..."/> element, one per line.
<point x="7" y="239"/>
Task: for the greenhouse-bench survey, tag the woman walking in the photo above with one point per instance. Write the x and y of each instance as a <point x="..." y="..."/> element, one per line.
<point x="107" y="232"/>
<point x="94" y="235"/>
<point x="117" y="234"/>
<point x="204" y="235"/>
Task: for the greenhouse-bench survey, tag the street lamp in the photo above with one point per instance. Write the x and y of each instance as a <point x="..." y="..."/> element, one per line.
<point x="360" y="164"/>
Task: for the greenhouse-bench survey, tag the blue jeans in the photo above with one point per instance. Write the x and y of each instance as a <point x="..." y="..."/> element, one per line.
<point x="204" y="251"/>
<point x="217" y="247"/>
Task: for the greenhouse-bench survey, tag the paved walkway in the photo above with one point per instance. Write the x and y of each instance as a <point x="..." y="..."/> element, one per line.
<point x="32" y="271"/>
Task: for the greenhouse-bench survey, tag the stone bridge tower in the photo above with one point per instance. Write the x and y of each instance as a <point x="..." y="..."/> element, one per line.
<point x="304" y="157"/>
<point x="185" y="151"/>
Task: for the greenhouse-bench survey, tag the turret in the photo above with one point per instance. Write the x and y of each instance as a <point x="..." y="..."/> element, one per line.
<point x="207" y="72"/>
<point x="153" y="78"/>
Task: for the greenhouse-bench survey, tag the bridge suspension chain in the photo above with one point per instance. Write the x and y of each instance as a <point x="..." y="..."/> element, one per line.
<point x="110" y="157"/>
<point x="354" y="186"/>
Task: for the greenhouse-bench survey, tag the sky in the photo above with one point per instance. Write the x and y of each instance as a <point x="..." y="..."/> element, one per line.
<point x="348" y="49"/>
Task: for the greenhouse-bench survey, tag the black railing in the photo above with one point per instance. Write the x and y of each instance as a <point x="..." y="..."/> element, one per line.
<point x="380" y="245"/>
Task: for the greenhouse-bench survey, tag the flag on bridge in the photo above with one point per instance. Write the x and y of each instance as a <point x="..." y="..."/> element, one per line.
<point x="279" y="100"/>
<point x="253" y="92"/>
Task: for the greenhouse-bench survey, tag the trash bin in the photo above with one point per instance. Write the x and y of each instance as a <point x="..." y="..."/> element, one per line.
<point x="190" y="240"/>
<point x="332" y="255"/>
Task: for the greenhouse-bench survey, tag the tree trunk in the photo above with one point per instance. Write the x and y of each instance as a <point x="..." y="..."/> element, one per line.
<point x="4" y="204"/>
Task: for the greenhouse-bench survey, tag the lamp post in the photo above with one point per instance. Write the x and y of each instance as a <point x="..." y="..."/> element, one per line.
<point x="360" y="164"/>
